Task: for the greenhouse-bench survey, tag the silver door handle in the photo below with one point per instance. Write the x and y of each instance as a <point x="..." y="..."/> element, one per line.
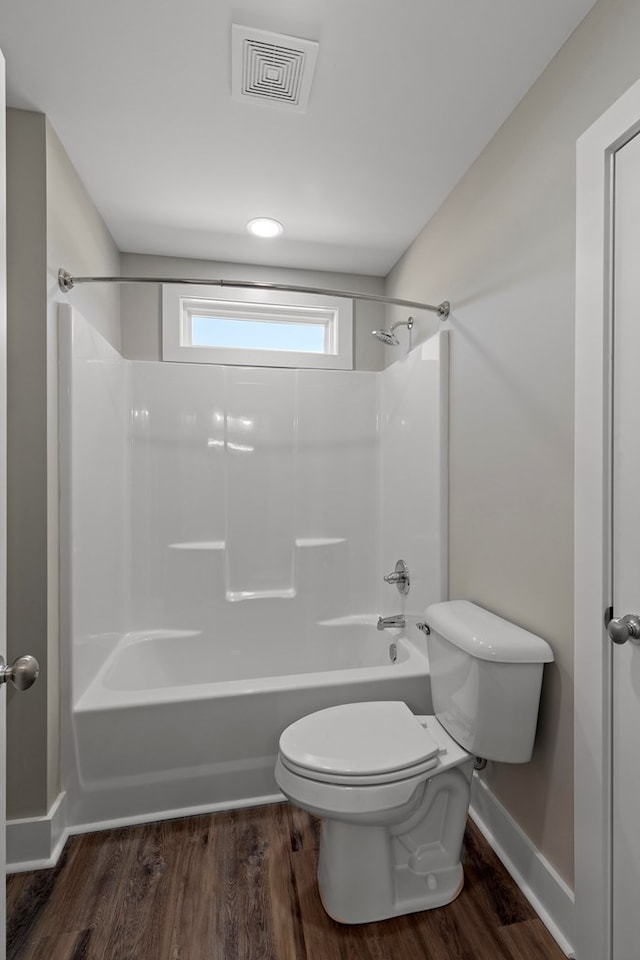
<point x="621" y="629"/>
<point x="22" y="673"/>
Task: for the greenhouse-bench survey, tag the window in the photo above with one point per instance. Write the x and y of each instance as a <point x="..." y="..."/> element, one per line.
<point x="254" y="327"/>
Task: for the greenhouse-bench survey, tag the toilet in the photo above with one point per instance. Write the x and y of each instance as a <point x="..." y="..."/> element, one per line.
<point x="392" y="788"/>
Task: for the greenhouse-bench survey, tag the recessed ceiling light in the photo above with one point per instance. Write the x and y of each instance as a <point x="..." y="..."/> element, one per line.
<point x="265" y="227"/>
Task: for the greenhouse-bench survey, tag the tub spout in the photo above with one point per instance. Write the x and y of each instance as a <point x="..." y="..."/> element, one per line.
<point x="397" y="620"/>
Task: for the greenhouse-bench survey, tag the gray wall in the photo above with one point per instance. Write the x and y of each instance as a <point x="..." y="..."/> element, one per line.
<point x="502" y="249"/>
<point x="52" y="222"/>
<point x="141" y="304"/>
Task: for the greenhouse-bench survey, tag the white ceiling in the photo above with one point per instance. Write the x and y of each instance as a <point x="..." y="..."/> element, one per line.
<point x="405" y="96"/>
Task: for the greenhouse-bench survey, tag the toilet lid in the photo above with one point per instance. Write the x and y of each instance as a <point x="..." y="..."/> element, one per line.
<point x="359" y="740"/>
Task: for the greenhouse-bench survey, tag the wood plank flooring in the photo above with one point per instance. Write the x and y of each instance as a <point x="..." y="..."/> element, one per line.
<point x="241" y="885"/>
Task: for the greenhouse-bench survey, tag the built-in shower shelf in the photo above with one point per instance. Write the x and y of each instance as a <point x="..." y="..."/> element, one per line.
<point x="301" y="542"/>
<point x="286" y="593"/>
<point x="319" y="541"/>
<point x="351" y="620"/>
<point x="199" y="545"/>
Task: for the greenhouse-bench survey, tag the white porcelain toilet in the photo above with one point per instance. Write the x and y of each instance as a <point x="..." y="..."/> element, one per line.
<point x="392" y="788"/>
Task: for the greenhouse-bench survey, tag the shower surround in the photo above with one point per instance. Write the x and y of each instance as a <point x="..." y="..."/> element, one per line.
<point x="226" y="530"/>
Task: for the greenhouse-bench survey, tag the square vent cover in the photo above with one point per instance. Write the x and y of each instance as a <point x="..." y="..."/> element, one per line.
<point x="271" y="68"/>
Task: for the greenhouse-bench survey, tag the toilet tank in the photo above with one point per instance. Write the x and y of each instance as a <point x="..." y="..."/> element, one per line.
<point x="486" y="675"/>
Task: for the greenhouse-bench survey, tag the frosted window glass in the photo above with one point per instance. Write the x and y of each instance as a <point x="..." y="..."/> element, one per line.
<point x="257" y="334"/>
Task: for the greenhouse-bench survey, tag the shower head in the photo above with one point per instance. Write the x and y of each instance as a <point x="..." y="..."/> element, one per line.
<point x="388" y="337"/>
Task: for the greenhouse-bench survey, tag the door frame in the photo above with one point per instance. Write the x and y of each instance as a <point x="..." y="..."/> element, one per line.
<point x="3" y="493"/>
<point x="596" y="149"/>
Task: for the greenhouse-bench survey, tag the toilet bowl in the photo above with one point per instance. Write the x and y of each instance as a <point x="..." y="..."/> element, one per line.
<point x="392" y="788"/>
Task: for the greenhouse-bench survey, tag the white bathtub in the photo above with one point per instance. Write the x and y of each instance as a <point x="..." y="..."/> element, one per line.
<point x="176" y="722"/>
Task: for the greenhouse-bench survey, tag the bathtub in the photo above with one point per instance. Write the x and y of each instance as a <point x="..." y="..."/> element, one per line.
<point x="176" y="722"/>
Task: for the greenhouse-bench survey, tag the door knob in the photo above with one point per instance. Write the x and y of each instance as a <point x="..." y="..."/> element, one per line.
<point x="621" y="629"/>
<point x="22" y="673"/>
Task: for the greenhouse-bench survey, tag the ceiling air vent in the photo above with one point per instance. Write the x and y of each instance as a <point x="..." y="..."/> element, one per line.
<point x="271" y="68"/>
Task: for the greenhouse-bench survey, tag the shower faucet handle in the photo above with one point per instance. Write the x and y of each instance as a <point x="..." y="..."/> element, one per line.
<point x="400" y="577"/>
<point x="394" y="577"/>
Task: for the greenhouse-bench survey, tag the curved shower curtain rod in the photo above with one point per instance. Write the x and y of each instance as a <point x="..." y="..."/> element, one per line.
<point x="66" y="282"/>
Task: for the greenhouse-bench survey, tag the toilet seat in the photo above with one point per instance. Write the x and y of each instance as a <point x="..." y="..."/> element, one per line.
<point x="357" y="781"/>
<point x="359" y="744"/>
<point x="332" y="797"/>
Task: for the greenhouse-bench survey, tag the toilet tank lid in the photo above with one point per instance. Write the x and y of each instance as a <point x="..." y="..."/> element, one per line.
<point x="484" y="635"/>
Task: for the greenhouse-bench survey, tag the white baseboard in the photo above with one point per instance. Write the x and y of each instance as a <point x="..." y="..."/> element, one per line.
<point x="35" y="843"/>
<point x="549" y="895"/>
<point x="153" y="817"/>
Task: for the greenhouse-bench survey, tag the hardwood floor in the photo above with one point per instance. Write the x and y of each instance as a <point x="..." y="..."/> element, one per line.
<point x="241" y="886"/>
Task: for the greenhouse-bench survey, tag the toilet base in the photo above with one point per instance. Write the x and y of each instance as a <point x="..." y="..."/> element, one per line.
<point x="374" y="872"/>
<point x="413" y="901"/>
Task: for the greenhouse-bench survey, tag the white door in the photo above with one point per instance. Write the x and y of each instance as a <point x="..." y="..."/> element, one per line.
<point x="3" y="489"/>
<point x="625" y="800"/>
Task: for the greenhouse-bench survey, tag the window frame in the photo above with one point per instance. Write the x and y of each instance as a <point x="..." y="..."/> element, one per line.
<point x="180" y="302"/>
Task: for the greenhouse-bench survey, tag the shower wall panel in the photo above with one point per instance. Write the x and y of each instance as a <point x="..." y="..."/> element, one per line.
<point x="177" y="484"/>
<point x="337" y="491"/>
<point x="260" y="449"/>
<point x="254" y="498"/>
<point x="413" y="403"/>
<point x="95" y="485"/>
